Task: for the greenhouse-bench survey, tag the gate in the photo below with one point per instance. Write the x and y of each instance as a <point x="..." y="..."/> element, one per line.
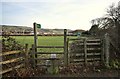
<point x="89" y="50"/>
<point x="79" y="50"/>
<point x="38" y="60"/>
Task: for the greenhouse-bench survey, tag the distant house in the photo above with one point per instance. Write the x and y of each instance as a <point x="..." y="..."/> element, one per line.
<point x="32" y="33"/>
<point x="76" y="32"/>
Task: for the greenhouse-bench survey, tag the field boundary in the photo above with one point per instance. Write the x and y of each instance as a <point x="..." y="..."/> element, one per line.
<point x="17" y="61"/>
<point x="89" y="50"/>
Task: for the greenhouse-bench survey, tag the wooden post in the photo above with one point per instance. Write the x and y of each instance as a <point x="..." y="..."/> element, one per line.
<point x="103" y="50"/>
<point x="53" y="66"/>
<point x="35" y="40"/>
<point x="35" y="35"/>
<point x="65" y="47"/>
<point x="107" y="49"/>
<point x="26" y="55"/>
<point x="85" y="51"/>
<point x="67" y="51"/>
<point x="33" y="56"/>
<point x="30" y="56"/>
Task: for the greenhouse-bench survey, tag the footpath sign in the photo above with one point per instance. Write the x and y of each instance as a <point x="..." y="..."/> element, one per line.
<point x="38" y="25"/>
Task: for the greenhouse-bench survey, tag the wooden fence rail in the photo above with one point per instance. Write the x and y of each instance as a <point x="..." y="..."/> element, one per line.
<point x="90" y="49"/>
<point x="50" y="46"/>
<point x="14" y="60"/>
<point x="36" y="59"/>
<point x="85" y="50"/>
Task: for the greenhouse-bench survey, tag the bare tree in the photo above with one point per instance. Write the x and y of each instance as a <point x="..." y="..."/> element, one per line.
<point x="111" y="24"/>
<point x="114" y="14"/>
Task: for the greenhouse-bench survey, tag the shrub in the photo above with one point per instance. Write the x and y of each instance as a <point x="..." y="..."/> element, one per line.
<point x="9" y="44"/>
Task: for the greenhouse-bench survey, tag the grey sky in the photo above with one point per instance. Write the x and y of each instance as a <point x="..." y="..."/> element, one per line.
<point x="69" y="14"/>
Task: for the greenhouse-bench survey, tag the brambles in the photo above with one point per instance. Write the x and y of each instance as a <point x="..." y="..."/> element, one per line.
<point x="73" y="69"/>
<point x="26" y="72"/>
<point x="29" y="72"/>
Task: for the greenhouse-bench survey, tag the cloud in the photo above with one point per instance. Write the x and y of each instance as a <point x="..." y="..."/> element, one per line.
<point x="70" y="14"/>
<point x="1" y="13"/>
<point x="39" y="0"/>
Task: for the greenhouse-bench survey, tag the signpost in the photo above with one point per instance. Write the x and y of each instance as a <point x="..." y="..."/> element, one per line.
<point x="38" y="25"/>
<point x="35" y="26"/>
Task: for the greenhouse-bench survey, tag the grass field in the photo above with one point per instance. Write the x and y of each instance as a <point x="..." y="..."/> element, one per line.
<point x="43" y="41"/>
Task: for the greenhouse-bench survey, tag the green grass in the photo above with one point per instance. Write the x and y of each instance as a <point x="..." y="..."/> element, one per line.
<point x="43" y="41"/>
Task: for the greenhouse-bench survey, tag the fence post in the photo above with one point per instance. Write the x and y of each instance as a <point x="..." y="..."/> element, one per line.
<point x="26" y="55"/>
<point x="35" y="35"/>
<point x="103" y="50"/>
<point x="35" y="40"/>
<point x="85" y="51"/>
<point x="33" y="56"/>
<point x="65" y="47"/>
<point x="67" y="51"/>
<point x="107" y="44"/>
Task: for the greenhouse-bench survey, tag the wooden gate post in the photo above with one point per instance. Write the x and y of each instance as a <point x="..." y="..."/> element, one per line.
<point x="35" y="40"/>
<point x="107" y="44"/>
<point x="67" y="51"/>
<point x="26" y="55"/>
<point x="33" y="56"/>
<point x="65" y="47"/>
<point x="85" y="51"/>
<point x="35" y="35"/>
<point x="103" y="51"/>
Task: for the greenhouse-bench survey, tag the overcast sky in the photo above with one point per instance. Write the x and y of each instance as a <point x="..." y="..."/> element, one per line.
<point x="60" y="14"/>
